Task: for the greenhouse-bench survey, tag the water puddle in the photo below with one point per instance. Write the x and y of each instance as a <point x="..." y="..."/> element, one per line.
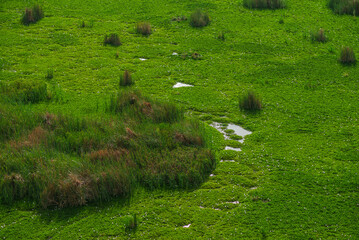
<point x="231" y="148"/>
<point x="178" y="85"/>
<point x="237" y="130"/>
<point x="227" y="161"/>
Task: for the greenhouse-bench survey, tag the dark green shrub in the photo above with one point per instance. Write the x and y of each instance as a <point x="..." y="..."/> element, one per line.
<point x="199" y="19"/>
<point x="319" y="36"/>
<point x="112" y="39"/>
<point x="350" y="7"/>
<point x="347" y="56"/>
<point x="126" y="79"/>
<point x="250" y="102"/>
<point x="264" y="4"/>
<point x="144" y="28"/>
<point x="32" y="15"/>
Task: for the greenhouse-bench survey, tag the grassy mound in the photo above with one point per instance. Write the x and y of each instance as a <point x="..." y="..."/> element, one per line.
<point x="250" y="102"/>
<point x="264" y="4"/>
<point x="32" y="15"/>
<point x="62" y="160"/>
<point x="25" y="92"/>
<point x="113" y="39"/>
<point x="143" y="28"/>
<point x="350" y="7"/>
<point x="199" y="18"/>
<point x="347" y="56"/>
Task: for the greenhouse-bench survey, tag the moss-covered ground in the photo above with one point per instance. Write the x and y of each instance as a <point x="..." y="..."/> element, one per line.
<point x="297" y="174"/>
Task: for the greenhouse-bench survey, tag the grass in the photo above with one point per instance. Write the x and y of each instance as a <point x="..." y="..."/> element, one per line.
<point x="143" y="28"/>
<point x="264" y="4"/>
<point x="221" y="36"/>
<point x="32" y="15"/>
<point x="250" y="102"/>
<point x="25" y="92"/>
<point x="350" y="7"/>
<point x="49" y="74"/>
<point x="109" y="165"/>
<point x="296" y="176"/>
<point x="179" y="19"/>
<point x="319" y="36"/>
<point x="347" y="56"/>
<point x="131" y="223"/>
<point x="126" y="79"/>
<point x="199" y="19"/>
<point x="113" y="39"/>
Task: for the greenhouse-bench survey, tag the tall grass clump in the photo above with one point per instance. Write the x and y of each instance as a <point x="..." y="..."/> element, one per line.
<point x="32" y="15"/>
<point x="319" y="36"/>
<point x="72" y="160"/>
<point x="347" y="56"/>
<point x="25" y="91"/>
<point x="250" y="102"/>
<point x="50" y="74"/>
<point x="134" y="104"/>
<point x="14" y="121"/>
<point x="199" y="18"/>
<point x="221" y="36"/>
<point x="264" y="4"/>
<point x="350" y="7"/>
<point x="126" y="79"/>
<point x="131" y="222"/>
<point x="143" y="28"/>
<point x="113" y="39"/>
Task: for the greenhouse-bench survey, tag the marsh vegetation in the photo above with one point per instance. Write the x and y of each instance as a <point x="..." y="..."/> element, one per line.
<point x="85" y="153"/>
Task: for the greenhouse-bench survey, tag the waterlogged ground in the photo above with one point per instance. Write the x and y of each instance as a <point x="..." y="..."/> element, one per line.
<point x="297" y="174"/>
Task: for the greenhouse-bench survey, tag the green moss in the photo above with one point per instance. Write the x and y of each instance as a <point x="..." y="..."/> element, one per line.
<point x="235" y="137"/>
<point x="233" y="143"/>
<point x="304" y="165"/>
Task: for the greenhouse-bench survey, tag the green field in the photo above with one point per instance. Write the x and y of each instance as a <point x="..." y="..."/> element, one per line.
<point x="297" y="174"/>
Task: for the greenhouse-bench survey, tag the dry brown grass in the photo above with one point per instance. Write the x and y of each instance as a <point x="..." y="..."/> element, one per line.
<point x="188" y="139"/>
<point x="147" y="108"/>
<point x="49" y="120"/>
<point x="109" y="154"/>
<point x="33" y="139"/>
<point x="130" y="133"/>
